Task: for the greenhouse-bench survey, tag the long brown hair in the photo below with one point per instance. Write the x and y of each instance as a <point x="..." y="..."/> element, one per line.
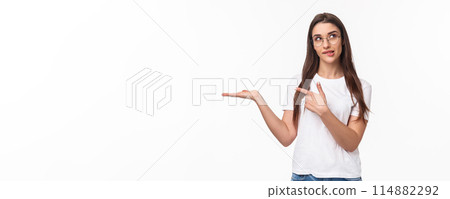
<point x="311" y="65"/>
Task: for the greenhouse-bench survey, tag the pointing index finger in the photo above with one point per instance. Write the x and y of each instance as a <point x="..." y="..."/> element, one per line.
<point x="302" y="90"/>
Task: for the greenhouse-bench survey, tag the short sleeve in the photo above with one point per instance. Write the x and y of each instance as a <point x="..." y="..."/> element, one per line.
<point x="367" y="92"/>
<point x="288" y="99"/>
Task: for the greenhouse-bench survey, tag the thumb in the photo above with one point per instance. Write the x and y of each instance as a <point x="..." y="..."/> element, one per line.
<point x="319" y="87"/>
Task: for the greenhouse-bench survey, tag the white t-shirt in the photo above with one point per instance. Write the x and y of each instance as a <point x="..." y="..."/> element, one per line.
<point x="316" y="151"/>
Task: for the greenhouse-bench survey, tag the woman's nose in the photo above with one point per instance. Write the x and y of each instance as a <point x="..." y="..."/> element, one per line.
<point x="326" y="44"/>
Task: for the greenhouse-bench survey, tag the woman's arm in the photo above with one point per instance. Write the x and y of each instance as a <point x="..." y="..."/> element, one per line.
<point x="284" y="129"/>
<point x="348" y="137"/>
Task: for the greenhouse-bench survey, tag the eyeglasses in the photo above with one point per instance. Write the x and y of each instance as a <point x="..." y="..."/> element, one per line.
<point x="332" y="39"/>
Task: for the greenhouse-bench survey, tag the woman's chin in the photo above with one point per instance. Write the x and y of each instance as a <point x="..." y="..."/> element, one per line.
<point x="329" y="60"/>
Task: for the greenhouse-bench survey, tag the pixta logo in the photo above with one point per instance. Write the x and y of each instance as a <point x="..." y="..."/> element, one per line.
<point x="148" y="91"/>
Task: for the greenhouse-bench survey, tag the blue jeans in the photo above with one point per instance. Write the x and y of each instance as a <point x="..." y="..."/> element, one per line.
<point x="296" y="177"/>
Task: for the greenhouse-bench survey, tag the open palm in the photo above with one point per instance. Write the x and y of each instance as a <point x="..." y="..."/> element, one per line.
<point x="243" y="94"/>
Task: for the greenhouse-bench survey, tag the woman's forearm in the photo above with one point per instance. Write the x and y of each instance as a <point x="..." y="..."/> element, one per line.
<point x="278" y="128"/>
<point x="346" y="137"/>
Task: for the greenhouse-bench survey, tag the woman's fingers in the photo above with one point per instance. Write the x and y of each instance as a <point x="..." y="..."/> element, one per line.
<point x="314" y="101"/>
<point x="242" y="94"/>
<point x="229" y="94"/>
<point x="319" y="99"/>
<point x="308" y="98"/>
<point x="302" y="90"/>
<point x="319" y="87"/>
<point x="308" y="105"/>
<point x="312" y="96"/>
<point x="307" y="92"/>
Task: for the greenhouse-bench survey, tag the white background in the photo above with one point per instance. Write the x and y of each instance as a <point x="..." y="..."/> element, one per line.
<point x="63" y="67"/>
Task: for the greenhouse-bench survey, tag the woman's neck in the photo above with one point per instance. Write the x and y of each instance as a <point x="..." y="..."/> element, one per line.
<point x="330" y="71"/>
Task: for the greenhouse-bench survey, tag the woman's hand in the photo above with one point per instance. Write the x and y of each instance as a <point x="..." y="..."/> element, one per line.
<point x="243" y="94"/>
<point x="253" y="95"/>
<point x="314" y="102"/>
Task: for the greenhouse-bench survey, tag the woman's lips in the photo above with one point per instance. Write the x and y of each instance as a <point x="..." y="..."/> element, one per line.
<point x="329" y="53"/>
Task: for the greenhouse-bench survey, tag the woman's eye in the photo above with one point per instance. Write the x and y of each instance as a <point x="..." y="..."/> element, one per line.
<point x="332" y="36"/>
<point x="317" y="39"/>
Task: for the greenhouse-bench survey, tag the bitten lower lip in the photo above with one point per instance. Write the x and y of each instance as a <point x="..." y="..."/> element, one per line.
<point x="330" y="54"/>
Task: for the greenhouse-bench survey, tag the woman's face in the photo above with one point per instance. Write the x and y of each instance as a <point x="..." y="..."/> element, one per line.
<point x="327" y="51"/>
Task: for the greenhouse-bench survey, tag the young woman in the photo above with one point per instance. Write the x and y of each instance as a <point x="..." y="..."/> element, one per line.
<point x="330" y="121"/>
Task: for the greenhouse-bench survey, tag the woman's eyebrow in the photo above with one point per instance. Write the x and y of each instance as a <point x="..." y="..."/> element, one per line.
<point x="328" y="33"/>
